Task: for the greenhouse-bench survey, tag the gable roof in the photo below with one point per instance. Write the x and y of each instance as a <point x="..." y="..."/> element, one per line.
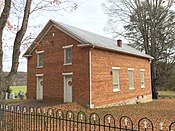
<point x="86" y="38"/>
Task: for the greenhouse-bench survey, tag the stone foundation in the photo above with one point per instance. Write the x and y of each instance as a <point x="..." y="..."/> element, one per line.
<point x="135" y="100"/>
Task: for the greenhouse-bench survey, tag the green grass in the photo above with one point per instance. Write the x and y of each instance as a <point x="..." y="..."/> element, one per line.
<point x="16" y="89"/>
<point x="167" y="93"/>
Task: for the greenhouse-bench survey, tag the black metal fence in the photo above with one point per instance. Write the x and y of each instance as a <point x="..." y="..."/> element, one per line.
<point x="16" y="118"/>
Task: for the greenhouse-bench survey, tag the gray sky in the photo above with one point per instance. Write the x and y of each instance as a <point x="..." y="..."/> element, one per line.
<point x="88" y="16"/>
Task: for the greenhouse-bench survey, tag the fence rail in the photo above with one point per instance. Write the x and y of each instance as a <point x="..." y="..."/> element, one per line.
<point x="17" y="118"/>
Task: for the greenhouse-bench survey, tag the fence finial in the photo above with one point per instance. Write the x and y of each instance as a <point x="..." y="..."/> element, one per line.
<point x="70" y="115"/>
<point x="109" y="119"/>
<point x="81" y="116"/>
<point x="145" y="124"/>
<point x="94" y="117"/>
<point x="59" y="113"/>
<point x="50" y="112"/>
<point x="161" y="126"/>
<point x="24" y="110"/>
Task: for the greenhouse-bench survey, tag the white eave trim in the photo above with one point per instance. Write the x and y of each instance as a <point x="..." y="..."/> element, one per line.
<point x="41" y="35"/>
<point x="66" y="74"/>
<point x="84" y="45"/>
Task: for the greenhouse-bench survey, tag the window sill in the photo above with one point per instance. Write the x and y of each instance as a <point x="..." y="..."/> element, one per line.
<point x="116" y="90"/>
<point x="142" y="86"/>
<point x="131" y="88"/>
<point x="39" y="67"/>
<point x="66" y="64"/>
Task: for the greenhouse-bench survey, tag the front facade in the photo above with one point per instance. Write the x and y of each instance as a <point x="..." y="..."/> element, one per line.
<point x="55" y="72"/>
<point x="65" y="65"/>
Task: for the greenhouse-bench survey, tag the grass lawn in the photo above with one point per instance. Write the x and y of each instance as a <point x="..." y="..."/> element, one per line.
<point x="166" y="93"/>
<point x="16" y="89"/>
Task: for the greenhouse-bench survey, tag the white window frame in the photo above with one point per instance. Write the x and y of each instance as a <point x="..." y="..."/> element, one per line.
<point x="66" y="47"/>
<point x="131" y="69"/>
<point x="39" y="52"/>
<point x="116" y="68"/>
<point x="142" y="70"/>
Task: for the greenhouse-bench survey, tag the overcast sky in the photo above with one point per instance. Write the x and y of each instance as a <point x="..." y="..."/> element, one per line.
<point x="88" y="16"/>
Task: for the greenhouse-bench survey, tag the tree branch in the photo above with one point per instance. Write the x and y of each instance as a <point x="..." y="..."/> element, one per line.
<point x="17" y="43"/>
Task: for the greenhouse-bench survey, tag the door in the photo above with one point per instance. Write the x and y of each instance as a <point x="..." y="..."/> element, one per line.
<point x="39" y="88"/>
<point x="68" y="88"/>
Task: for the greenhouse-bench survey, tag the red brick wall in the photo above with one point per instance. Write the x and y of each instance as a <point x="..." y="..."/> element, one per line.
<point x="102" y="86"/>
<point x="53" y="80"/>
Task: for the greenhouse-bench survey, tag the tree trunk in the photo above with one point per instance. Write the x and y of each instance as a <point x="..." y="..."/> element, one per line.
<point x="3" y="20"/>
<point x="153" y="63"/>
<point x="5" y="81"/>
<point x="153" y="79"/>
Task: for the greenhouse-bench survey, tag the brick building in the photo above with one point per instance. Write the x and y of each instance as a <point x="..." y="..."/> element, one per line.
<point x="71" y="64"/>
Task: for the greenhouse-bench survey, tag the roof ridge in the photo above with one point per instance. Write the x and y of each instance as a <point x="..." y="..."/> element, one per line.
<point x="84" y="36"/>
<point x="61" y="23"/>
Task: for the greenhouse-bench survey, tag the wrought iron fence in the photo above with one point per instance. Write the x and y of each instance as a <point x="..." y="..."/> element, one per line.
<point x="16" y="118"/>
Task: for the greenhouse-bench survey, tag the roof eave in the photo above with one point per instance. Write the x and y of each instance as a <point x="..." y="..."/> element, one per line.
<point x="40" y="36"/>
<point x="26" y="56"/>
<point x="104" y="48"/>
<point x="148" y="57"/>
<point x="85" y="45"/>
<point x="48" y="26"/>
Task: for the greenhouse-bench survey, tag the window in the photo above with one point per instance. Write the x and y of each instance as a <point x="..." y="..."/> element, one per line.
<point x="68" y="55"/>
<point x="142" y="73"/>
<point x="131" y="78"/>
<point x="115" y="75"/>
<point x="40" y="59"/>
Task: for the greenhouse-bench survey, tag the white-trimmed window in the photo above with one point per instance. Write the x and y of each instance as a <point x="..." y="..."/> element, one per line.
<point x="131" y="78"/>
<point x="142" y="74"/>
<point x="40" y="59"/>
<point x="115" y="77"/>
<point x="68" y="55"/>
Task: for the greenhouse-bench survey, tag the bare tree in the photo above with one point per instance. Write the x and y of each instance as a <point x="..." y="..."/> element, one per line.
<point x="21" y="11"/>
<point x="149" y="25"/>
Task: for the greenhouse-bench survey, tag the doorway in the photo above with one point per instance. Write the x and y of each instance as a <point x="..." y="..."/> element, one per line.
<point x="68" y="88"/>
<point x="39" y="88"/>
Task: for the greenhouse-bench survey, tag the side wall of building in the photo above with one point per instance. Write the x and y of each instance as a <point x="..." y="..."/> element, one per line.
<point x="53" y="58"/>
<point x="102" y="80"/>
